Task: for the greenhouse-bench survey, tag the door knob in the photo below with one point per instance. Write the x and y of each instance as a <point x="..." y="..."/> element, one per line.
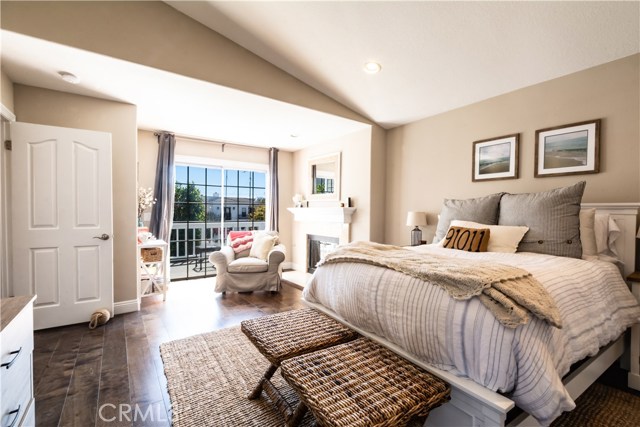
<point x="104" y="236"/>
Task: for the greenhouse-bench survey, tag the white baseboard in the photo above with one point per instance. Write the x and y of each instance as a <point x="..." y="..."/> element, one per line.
<point x="122" y="307"/>
<point x="297" y="267"/>
<point x="287" y="265"/>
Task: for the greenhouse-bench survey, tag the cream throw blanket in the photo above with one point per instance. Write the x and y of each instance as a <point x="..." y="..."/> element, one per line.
<point x="510" y="293"/>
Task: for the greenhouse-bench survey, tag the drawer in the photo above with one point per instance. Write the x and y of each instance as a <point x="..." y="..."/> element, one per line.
<point x="19" y="333"/>
<point x="16" y="382"/>
<point x="17" y="376"/>
<point x="15" y="403"/>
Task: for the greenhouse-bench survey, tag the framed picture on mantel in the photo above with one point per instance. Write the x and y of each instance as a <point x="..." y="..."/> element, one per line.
<point x="495" y="158"/>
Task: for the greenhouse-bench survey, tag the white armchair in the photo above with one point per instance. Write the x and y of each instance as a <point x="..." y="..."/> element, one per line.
<point x="238" y="272"/>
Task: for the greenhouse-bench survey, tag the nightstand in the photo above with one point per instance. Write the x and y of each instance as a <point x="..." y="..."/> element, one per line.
<point x="633" y="378"/>
<point x="153" y="263"/>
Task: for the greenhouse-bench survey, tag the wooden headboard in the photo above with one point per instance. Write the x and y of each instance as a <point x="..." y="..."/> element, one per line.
<point x="626" y="216"/>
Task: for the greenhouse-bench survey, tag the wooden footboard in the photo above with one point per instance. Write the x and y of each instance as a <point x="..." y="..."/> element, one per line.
<point x="474" y="405"/>
<point x="470" y="404"/>
<point x="586" y="374"/>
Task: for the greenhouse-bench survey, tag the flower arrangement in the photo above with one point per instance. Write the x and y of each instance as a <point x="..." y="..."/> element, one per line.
<point x="145" y="201"/>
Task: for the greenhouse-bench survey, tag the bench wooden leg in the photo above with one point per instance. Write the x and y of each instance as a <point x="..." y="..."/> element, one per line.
<point x="295" y="418"/>
<point x="266" y="377"/>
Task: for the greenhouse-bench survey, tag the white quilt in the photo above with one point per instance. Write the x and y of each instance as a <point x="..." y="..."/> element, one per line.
<point x="463" y="337"/>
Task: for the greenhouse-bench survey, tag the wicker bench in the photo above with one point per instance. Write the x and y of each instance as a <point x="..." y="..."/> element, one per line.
<point x="361" y="383"/>
<point x="289" y="334"/>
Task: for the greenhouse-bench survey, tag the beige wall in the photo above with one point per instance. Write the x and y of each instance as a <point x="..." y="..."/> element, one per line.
<point x="6" y="89"/>
<point x="356" y="183"/>
<point x="430" y="159"/>
<point x="148" y="151"/>
<point x="47" y="107"/>
<point x="378" y="184"/>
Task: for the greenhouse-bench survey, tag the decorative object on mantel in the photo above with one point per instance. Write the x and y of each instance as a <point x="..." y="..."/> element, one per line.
<point x="145" y="201"/>
<point x="416" y="219"/>
<point x="568" y="149"/>
<point x="298" y="200"/>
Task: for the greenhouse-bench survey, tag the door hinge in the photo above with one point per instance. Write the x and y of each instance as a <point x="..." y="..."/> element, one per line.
<point x="7" y="144"/>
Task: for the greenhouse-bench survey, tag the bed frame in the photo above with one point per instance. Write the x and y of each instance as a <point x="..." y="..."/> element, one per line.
<point x="474" y="405"/>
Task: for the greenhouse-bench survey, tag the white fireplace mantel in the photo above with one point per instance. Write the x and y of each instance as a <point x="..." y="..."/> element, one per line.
<point x="323" y="214"/>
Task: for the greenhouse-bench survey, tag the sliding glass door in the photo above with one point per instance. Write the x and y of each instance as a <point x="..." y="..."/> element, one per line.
<point x="209" y="203"/>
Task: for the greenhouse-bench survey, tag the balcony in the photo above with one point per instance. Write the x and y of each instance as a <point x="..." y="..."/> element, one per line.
<point x="192" y="242"/>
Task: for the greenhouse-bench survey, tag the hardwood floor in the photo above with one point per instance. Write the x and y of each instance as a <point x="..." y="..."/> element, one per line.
<point x="113" y="375"/>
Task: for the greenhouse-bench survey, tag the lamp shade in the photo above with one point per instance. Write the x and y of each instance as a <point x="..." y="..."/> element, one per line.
<point x="416" y="219"/>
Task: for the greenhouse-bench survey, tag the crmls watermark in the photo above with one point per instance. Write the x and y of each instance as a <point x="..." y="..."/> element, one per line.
<point x="109" y="412"/>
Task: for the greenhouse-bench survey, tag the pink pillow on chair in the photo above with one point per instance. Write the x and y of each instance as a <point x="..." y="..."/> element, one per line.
<point x="240" y="240"/>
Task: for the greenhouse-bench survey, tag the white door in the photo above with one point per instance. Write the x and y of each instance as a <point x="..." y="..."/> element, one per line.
<point x="62" y="221"/>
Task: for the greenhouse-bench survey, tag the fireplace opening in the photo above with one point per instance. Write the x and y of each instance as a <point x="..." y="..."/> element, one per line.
<point x="317" y="248"/>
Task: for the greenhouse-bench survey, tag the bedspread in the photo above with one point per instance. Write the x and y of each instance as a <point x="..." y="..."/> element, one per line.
<point x="510" y="293"/>
<point x="463" y="337"/>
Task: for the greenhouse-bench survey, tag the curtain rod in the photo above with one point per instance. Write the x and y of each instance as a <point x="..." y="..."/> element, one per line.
<point x="210" y="141"/>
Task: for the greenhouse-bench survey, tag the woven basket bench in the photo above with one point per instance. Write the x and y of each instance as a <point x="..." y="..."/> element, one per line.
<point x="361" y="383"/>
<point x="289" y="334"/>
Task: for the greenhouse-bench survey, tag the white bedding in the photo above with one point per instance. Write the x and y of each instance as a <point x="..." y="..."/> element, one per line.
<point x="463" y="337"/>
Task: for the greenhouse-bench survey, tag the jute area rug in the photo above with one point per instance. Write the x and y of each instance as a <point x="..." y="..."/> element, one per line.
<point x="210" y="375"/>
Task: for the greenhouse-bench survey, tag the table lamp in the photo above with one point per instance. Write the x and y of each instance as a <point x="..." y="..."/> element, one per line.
<point x="416" y="219"/>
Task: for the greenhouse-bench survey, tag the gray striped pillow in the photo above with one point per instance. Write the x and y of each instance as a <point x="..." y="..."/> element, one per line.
<point x="553" y="218"/>
<point x="482" y="209"/>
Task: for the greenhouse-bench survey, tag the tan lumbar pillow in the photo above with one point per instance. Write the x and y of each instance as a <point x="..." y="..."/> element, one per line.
<point x="467" y="239"/>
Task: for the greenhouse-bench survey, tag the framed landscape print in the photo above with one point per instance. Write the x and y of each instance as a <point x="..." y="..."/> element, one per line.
<point x="495" y="158"/>
<point x="569" y="149"/>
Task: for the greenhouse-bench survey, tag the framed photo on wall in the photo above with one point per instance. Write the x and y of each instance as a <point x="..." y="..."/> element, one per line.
<point x="495" y="158"/>
<point x="568" y="149"/>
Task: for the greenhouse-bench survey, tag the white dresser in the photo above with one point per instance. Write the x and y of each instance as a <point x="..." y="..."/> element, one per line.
<point x="17" y="406"/>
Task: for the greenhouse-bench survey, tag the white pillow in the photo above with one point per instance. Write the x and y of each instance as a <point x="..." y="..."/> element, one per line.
<point x="504" y="238"/>
<point x="262" y="244"/>
<point x="607" y="232"/>
<point x="588" y="234"/>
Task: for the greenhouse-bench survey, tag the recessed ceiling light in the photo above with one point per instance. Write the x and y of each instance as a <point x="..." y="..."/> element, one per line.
<point x="294" y="135"/>
<point x="372" y="67"/>
<point x="69" y="78"/>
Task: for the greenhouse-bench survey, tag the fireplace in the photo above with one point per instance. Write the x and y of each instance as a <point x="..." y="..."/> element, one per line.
<point x="317" y="248"/>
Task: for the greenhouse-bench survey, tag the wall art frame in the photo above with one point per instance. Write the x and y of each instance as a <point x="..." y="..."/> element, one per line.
<point x="572" y="149"/>
<point x="496" y="158"/>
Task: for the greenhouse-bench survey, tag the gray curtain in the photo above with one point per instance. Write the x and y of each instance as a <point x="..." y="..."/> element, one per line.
<point x="164" y="188"/>
<point x="273" y="190"/>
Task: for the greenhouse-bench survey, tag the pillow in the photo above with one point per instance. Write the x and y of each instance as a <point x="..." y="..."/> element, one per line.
<point x="262" y="244"/>
<point x="482" y="209"/>
<point x="606" y="232"/>
<point x="467" y="239"/>
<point x="240" y="240"/>
<point x="503" y="238"/>
<point x="588" y="234"/>
<point x="552" y="217"/>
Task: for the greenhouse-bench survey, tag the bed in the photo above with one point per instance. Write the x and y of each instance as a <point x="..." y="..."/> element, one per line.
<point x="492" y="368"/>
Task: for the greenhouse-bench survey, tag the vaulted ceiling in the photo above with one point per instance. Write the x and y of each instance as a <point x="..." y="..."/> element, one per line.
<point x="435" y="57"/>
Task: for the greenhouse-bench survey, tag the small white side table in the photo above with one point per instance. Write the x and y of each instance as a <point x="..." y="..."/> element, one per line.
<point x="633" y="378"/>
<point x="154" y="275"/>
